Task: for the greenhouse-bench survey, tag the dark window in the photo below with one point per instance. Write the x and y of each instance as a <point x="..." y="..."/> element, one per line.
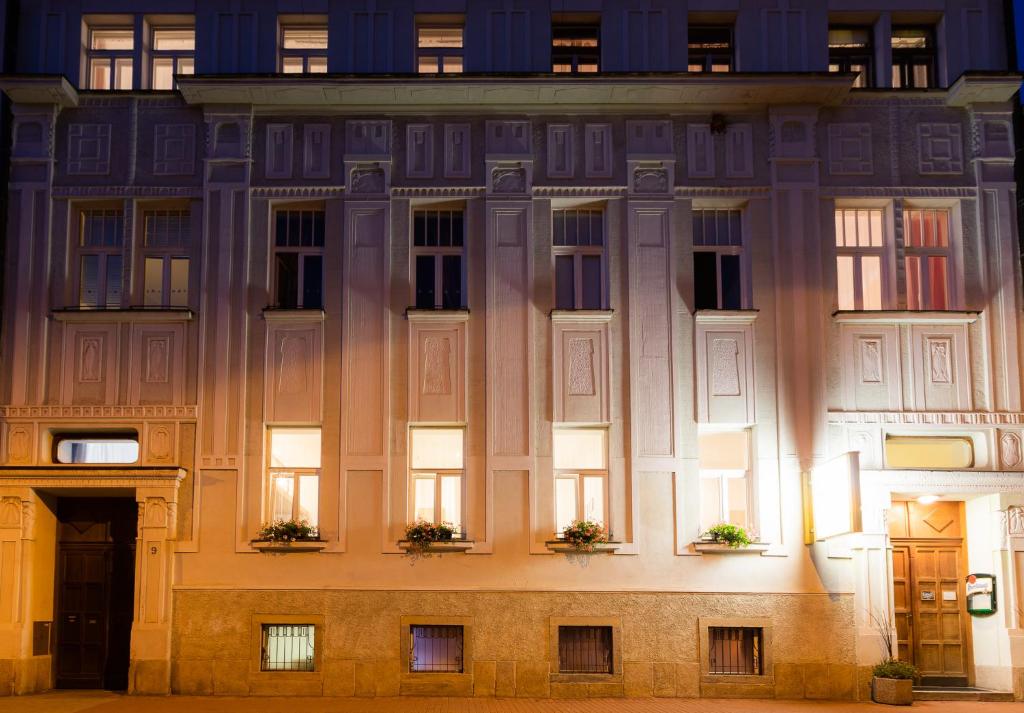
<point x="439" y="49"/>
<point x="705" y="280"/>
<point x="585" y="649"/>
<point x="710" y="48"/>
<point x="101" y="259"/>
<point x="735" y="650"/>
<point x="850" y="50"/>
<point x="298" y="258"/>
<point x="913" y="57"/>
<point x="717" y="264"/>
<point x="435" y="649"/>
<point x="437" y="246"/>
<point x="287" y="647"/>
<point x="575" y="47"/>
<point x="577" y="237"/>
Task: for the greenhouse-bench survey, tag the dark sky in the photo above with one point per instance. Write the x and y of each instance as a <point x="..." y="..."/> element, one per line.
<point x="1018" y="19"/>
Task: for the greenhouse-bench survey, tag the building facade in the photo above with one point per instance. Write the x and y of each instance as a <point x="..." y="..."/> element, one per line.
<point x="511" y="264"/>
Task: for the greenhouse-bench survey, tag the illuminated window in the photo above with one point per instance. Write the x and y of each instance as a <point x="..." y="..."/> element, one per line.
<point x="437" y="258"/>
<point x="437" y="467"/>
<point x="710" y="48"/>
<point x="581" y="475"/>
<point x="166" y="243"/>
<point x="299" y="258"/>
<point x="861" y="264"/>
<point x="585" y="649"/>
<point x="101" y="258"/>
<point x="850" y="51"/>
<point x="578" y="245"/>
<point x="439" y="49"/>
<point x="735" y="651"/>
<point x="718" y="259"/>
<point x="929" y="452"/>
<point x="112" y="448"/>
<point x="303" y="49"/>
<point x="575" y="47"/>
<point x="913" y="57"/>
<point x="926" y="258"/>
<point x="294" y="474"/>
<point x="436" y="648"/>
<point x="724" y="463"/>
<point x="288" y="647"/>
<point x="109" y="57"/>
<point x="173" y="51"/>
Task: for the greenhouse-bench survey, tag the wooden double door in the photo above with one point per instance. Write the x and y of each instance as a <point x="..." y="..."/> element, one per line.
<point x="932" y="624"/>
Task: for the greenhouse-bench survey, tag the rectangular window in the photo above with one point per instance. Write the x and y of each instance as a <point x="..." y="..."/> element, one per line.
<point x="303" y="49"/>
<point x="850" y="50"/>
<point x="926" y="258"/>
<point x="112" y="448"/>
<point x="294" y="474"/>
<point x="724" y="463"/>
<point x="438" y="259"/>
<point x="101" y="258"/>
<point x="435" y="649"/>
<point x="439" y="48"/>
<point x="581" y="475"/>
<point x="735" y="650"/>
<point x="580" y="267"/>
<point x="287" y="647"/>
<point x="437" y="468"/>
<point x="585" y="649"/>
<point x="861" y="258"/>
<point x="109" y="57"/>
<point x="718" y="271"/>
<point x="299" y="258"/>
<point x="166" y="243"/>
<point x="710" y="48"/>
<point x="575" y="47"/>
<point x="172" y="51"/>
<point x="913" y="57"/>
<point x="929" y="452"/>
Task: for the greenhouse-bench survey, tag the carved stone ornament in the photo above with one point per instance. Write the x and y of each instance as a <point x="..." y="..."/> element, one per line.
<point x="509" y="180"/>
<point x="1010" y="449"/>
<point x="368" y="180"/>
<point x="650" y="180"/>
<point x="1015" y="520"/>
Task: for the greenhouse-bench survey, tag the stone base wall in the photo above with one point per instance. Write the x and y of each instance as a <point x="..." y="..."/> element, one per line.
<point x="808" y="650"/>
<point x="22" y="676"/>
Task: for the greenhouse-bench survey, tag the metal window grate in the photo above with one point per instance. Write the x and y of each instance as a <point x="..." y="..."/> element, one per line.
<point x="585" y="649"/>
<point x="435" y="649"/>
<point x="287" y="647"/>
<point x="735" y="650"/>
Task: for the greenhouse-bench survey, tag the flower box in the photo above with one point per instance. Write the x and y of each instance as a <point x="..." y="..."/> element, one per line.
<point x="720" y="548"/>
<point x="566" y="547"/>
<point x="892" y="691"/>
<point x="286" y="546"/>
<point x="439" y="548"/>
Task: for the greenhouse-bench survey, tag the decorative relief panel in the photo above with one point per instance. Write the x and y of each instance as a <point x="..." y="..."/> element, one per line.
<point x="996" y="139"/>
<point x="437" y="370"/>
<point x="367" y="178"/>
<point x="739" y="151"/>
<point x="174" y="149"/>
<point x="230" y="139"/>
<point x="561" y="154"/>
<point x="89" y="149"/>
<point x="725" y="370"/>
<point x="369" y="139"/>
<point x="870" y="367"/>
<point x="940" y="368"/>
<point x="316" y="151"/>
<point x="509" y="178"/>
<point x="940" y="149"/>
<point x="650" y="179"/>
<point x="156" y="364"/>
<point x="597" y="139"/>
<point x="1011" y="449"/>
<point x="419" y="151"/>
<point x="457" y="151"/>
<point x="90" y="364"/>
<point x="294" y="371"/>
<point x="280" y="140"/>
<point x="161" y="444"/>
<point x="850" y="150"/>
<point x="791" y="135"/>
<point x="20" y="441"/>
<point x="700" y="151"/>
<point x="648" y="138"/>
<point x="31" y="137"/>
<point x="509" y="138"/>
<point x="581" y="371"/>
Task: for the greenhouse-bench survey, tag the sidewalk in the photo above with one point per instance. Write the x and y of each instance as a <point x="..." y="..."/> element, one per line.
<point x="103" y="702"/>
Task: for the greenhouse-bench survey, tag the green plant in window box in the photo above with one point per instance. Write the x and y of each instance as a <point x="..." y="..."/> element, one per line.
<point x="422" y="534"/>
<point x="726" y="534"/>
<point x="585" y="535"/>
<point x="288" y="531"/>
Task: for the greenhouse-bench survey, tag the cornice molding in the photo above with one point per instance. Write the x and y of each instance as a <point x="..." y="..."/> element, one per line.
<point x="926" y="418"/>
<point x="185" y="413"/>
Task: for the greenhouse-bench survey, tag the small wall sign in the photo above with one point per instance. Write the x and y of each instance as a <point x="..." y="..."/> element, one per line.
<point x="927" y="595"/>
<point x="981" y="594"/>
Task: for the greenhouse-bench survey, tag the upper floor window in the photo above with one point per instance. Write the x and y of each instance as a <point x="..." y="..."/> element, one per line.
<point x="578" y="244"/>
<point x="913" y="57"/>
<point x="575" y="47"/>
<point x="110" y="57"/>
<point x="101" y="258"/>
<point x="294" y="474"/>
<point x="724" y="463"/>
<point x="303" y="49"/>
<point x="580" y="458"/>
<point x="299" y="258"/>
<point x="861" y="258"/>
<point x="927" y="258"/>
<point x="166" y="249"/>
<point x="439" y="48"/>
<point x="438" y="259"/>
<point x="172" y="51"/>
<point x="710" y="48"/>
<point x="718" y="270"/>
<point x="436" y="462"/>
<point x="850" y="50"/>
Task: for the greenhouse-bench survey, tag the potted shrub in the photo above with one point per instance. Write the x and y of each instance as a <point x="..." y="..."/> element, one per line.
<point x="283" y="535"/>
<point x="892" y="683"/>
<point x="585" y="535"/>
<point x="424" y="538"/>
<point x="730" y="535"/>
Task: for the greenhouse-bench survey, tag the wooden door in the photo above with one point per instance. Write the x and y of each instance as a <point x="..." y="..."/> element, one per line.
<point x="903" y="602"/>
<point x="940" y="617"/>
<point x="82" y="616"/>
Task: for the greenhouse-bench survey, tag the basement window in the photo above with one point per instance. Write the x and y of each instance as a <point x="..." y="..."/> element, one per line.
<point x="735" y="650"/>
<point x="287" y="647"/>
<point x="585" y="649"/>
<point x="436" y="649"/>
<point x="107" y="449"/>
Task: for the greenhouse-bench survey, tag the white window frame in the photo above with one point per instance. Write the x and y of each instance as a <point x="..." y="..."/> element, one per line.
<point x="721" y="250"/>
<point x="176" y="56"/>
<point x="577" y="253"/>
<point x="102" y="255"/>
<point x="167" y="256"/>
<point x="318" y="53"/>
<point x="441" y="53"/>
<point x="109" y="57"/>
<point x="438" y="252"/>
<point x="950" y="252"/>
<point x="294" y="473"/>
<point x="577" y="475"/>
<point x="437" y="475"/>
<point x="723" y="476"/>
<point x="885" y="254"/>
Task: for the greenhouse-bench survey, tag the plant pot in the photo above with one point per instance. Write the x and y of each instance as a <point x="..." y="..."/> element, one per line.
<point x="292" y="546"/>
<point x="712" y="547"/>
<point x="892" y="691"/>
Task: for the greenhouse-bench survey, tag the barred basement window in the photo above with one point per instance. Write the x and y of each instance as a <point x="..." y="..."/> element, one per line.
<point x="735" y="650"/>
<point x="435" y="649"/>
<point x="585" y="649"/>
<point x="287" y="647"/>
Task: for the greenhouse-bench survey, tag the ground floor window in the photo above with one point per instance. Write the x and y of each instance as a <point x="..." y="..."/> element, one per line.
<point x="287" y="647"/>
<point x="437" y="465"/>
<point x="294" y="474"/>
<point x="585" y="649"/>
<point x="435" y="648"/>
<point x="725" y="483"/>
<point x="581" y="475"/>
<point x="735" y="650"/>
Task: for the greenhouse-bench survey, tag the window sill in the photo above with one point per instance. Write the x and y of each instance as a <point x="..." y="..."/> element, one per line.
<point x="125" y="314"/>
<point x="292" y="314"/>
<point x="731" y="316"/>
<point x="582" y="315"/>
<point x="584" y="678"/>
<point x="706" y="547"/>
<point x="440" y="548"/>
<point x="289" y="547"/>
<point x="418" y="314"/>
<point x="563" y="547"/>
<point x="905" y="317"/>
